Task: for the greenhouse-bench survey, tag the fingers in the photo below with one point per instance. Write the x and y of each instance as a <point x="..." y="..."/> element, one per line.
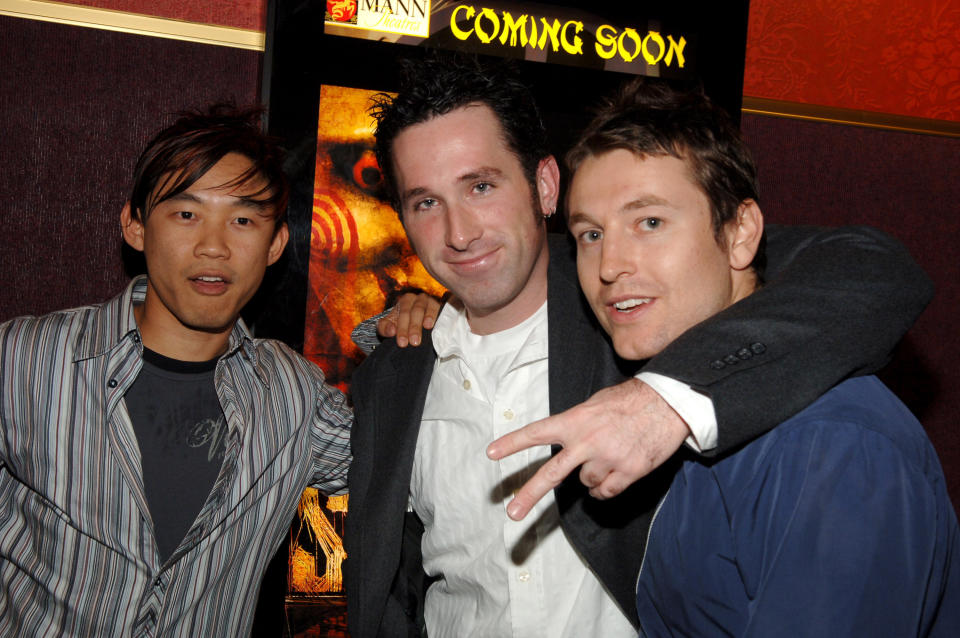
<point x="414" y="312"/>
<point x="405" y="316"/>
<point x="603" y="481"/>
<point x="409" y="319"/>
<point x="387" y="326"/>
<point x="547" y="477"/>
<point x="542" y="432"/>
<point x="431" y="309"/>
<point x="612" y="485"/>
<point x="415" y="324"/>
<point x="593" y="473"/>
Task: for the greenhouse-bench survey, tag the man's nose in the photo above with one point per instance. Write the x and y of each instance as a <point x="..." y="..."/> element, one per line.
<point x="462" y="227"/>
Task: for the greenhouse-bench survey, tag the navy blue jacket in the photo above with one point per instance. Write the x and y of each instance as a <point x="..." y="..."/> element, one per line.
<point x="835" y="523"/>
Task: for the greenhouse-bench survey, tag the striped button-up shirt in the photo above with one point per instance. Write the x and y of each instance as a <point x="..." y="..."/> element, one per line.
<point x="77" y="550"/>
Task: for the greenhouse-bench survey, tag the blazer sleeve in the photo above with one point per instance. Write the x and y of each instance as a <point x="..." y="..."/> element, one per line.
<point x="835" y="304"/>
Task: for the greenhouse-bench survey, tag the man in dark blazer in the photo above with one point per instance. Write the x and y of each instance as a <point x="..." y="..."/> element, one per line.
<point x="836" y="303"/>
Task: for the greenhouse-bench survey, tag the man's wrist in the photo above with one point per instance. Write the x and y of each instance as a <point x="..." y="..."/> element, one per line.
<point x="694" y="408"/>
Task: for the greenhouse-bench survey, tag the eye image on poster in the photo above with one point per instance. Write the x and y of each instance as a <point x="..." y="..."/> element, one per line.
<point x="359" y="255"/>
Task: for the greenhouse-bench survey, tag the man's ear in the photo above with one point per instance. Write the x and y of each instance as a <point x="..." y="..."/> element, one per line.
<point x="743" y="235"/>
<point x="548" y="185"/>
<point x="279" y="242"/>
<point x="131" y="228"/>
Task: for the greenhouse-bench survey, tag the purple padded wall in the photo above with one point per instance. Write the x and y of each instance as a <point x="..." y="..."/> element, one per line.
<point x="907" y="185"/>
<point x="76" y="107"/>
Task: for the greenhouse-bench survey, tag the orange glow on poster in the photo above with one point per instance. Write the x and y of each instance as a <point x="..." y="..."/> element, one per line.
<point x="359" y="257"/>
<point x="358" y="250"/>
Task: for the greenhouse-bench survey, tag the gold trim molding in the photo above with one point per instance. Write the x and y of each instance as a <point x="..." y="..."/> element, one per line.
<point x="135" y="23"/>
<point x="850" y="117"/>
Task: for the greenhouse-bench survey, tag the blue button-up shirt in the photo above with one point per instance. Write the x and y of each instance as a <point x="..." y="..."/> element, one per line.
<point x="77" y="550"/>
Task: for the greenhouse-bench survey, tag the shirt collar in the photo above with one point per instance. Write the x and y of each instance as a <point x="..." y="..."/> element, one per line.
<point x="241" y="340"/>
<point x="113" y="323"/>
<point x="452" y="336"/>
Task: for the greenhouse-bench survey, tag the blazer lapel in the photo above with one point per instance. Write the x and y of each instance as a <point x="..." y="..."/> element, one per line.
<point x="582" y="361"/>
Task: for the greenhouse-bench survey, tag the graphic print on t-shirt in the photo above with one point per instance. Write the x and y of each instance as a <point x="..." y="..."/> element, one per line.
<point x="181" y="431"/>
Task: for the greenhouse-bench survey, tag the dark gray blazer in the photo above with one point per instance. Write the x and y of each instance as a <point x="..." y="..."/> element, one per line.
<point x="841" y="301"/>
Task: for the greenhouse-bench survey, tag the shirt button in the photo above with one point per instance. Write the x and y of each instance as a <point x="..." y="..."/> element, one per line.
<point x="466" y="384"/>
<point x="523" y="576"/>
<point x="508" y="414"/>
<point x="112" y="383"/>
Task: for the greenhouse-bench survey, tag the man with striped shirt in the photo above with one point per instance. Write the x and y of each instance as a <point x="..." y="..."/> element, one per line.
<point x="153" y="451"/>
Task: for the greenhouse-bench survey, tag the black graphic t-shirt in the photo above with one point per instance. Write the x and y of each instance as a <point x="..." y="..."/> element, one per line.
<point x="180" y="429"/>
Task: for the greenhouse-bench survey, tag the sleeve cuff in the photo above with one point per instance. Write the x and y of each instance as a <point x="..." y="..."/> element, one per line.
<point x="694" y="408"/>
<point x="365" y="334"/>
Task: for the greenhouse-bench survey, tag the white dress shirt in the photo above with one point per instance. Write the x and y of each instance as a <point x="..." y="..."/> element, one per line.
<point x="498" y="577"/>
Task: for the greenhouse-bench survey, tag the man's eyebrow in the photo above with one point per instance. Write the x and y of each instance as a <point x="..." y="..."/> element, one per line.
<point x="257" y="205"/>
<point x="484" y="172"/>
<point x="412" y="192"/>
<point x="183" y="197"/>
<point x="261" y="206"/>
<point x="643" y="201"/>
<point x="580" y="218"/>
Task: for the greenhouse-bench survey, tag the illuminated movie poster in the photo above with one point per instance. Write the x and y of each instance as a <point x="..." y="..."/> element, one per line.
<point x="359" y="258"/>
<point x="348" y="255"/>
<point x="359" y="255"/>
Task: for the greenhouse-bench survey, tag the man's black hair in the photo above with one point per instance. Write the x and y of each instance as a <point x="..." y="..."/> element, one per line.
<point x="183" y="152"/>
<point x="442" y="82"/>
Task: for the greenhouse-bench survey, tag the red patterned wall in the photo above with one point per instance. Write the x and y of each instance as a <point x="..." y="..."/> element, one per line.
<point x="874" y="55"/>
<point x="887" y="56"/>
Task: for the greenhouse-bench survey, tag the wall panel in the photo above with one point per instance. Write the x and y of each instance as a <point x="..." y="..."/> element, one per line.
<point x="76" y="107"/>
<point x="882" y="56"/>
<point x="905" y="184"/>
<point x="885" y="56"/>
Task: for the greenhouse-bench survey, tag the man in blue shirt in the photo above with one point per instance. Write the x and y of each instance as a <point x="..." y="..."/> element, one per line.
<point x="835" y="523"/>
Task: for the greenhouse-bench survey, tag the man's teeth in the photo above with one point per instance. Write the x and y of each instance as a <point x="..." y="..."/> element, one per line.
<point x="210" y="279"/>
<point x="627" y="304"/>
